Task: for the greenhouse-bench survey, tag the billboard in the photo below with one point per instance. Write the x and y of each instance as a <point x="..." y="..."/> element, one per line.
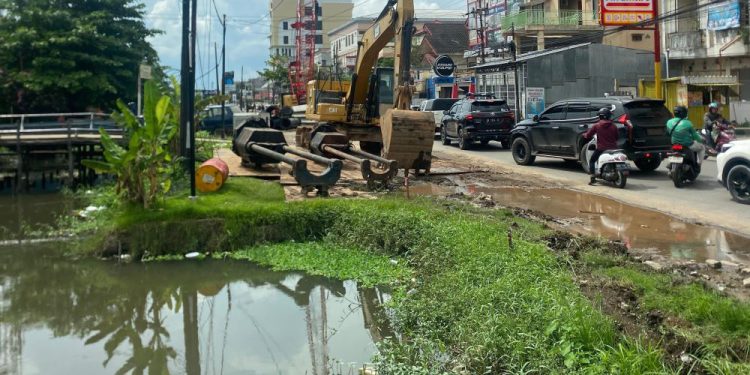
<point x="724" y="16"/>
<point x="625" y="12"/>
<point x="534" y="101"/>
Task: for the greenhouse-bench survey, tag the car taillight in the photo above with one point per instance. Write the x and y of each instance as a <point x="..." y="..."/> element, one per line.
<point x="623" y="119"/>
<point x="677" y="147"/>
<point x="648" y="155"/>
<point x="469" y="117"/>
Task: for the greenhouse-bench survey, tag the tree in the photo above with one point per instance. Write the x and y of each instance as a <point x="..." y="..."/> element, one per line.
<point x="65" y="56"/>
<point x="276" y="72"/>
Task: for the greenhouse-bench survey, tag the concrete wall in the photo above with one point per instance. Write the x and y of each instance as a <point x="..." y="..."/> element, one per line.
<point x="588" y="71"/>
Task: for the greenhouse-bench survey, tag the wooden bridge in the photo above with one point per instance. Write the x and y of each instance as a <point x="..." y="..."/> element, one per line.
<point x="51" y="146"/>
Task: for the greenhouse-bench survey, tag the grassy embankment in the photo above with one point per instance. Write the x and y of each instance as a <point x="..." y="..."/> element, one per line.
<point x="466" y="300"/>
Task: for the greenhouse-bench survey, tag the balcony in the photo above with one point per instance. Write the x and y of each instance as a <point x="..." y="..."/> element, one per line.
<point x="568" y="19"/>
<point x="685" y="41"/>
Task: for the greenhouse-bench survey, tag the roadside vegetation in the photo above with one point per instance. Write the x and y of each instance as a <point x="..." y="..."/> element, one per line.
<point x="474" y="290"/>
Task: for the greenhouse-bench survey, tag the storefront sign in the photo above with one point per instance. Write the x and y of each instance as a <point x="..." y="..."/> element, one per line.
<point x="625" y="12"/>
<point x="443" y="66"/>
<point x="534" y="101"/>
<point x="724" y="16"/>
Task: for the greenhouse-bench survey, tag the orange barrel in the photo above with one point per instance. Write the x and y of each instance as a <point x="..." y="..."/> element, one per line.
<point x="211" y="175"/>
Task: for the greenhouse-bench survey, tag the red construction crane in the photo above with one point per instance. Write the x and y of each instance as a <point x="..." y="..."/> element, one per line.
<point x="302" y="68"/>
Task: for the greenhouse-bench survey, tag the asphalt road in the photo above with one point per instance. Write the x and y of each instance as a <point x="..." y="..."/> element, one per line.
<point x="705" y="201"/>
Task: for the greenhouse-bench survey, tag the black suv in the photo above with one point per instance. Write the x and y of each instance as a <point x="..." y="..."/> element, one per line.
<point x="558" y="131"/>
<point x="483" y="120"/>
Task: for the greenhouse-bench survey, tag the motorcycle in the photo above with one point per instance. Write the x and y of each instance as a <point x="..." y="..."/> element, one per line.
<point x="725" y="135"/>
<point x="612" y="166"/>
<point x="683" y="165"/>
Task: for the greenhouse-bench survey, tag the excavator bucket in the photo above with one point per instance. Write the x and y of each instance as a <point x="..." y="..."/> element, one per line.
<point x="408" y="137"/>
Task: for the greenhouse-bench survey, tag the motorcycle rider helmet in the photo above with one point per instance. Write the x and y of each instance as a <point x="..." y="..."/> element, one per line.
<point x="605" y="113"/>
<point x="712" y="106"/>
<point x="680" y="111"/>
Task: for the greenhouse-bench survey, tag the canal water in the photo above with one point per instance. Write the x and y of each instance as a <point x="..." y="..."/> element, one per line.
<point x="64" y="316"/>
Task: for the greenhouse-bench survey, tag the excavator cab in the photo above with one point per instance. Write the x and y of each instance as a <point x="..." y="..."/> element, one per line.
<point x="380" y="94"/>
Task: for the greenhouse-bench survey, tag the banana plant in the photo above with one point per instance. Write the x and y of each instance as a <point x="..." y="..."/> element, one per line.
<point x="142" y="168"/>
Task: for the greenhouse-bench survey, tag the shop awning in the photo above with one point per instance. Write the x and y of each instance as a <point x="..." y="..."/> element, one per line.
<point x="711" y="80"/>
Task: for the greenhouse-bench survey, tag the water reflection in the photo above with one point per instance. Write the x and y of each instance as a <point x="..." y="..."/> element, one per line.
<point x="30" y="215"/>
<point x="90" y="317"/>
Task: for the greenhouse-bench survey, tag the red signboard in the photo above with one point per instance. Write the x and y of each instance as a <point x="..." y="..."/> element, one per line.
<point x="625" y="12"/>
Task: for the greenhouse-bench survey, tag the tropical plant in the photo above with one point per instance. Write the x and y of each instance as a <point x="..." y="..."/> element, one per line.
<point x="143" y="168"/>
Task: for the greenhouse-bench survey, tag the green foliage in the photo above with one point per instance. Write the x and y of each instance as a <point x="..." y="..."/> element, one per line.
<point x="385" y="62"/>
<point x="328" y="260"/>
<point x="71" y="56"/>
<point x="276" y="71"/>
<point x="143" y="167"/>
<point x="692" y="302"/>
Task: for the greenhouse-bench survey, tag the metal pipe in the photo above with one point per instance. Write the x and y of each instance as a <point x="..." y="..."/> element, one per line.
<point x="334" y="151"/>
<point x="270" y="153"/>
<point x="368" y="155"/>
<point x="307" y="155"/>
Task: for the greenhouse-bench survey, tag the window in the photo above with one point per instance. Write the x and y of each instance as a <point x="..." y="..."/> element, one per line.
<point x="285" y="25"/>
<point x="286" y="39"/>
<point x="490" y="106"/>
<point x="636" y="37"/>
<point x="579" y="111"/>
<point x="319" y="25"/>
<point x="318" y="39"/>
<point x="554" y="113"/>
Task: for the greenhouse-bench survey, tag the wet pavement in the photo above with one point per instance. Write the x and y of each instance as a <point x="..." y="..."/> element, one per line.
<point x="92" y="317"/>
<point x="648" y="231"/>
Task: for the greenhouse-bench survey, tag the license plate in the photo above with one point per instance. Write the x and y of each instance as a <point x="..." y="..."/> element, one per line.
<point x="675" y="159"/>
<point x="655" y="131"/>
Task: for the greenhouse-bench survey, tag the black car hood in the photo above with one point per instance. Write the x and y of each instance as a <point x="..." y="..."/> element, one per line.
<point x="526" y="122"/>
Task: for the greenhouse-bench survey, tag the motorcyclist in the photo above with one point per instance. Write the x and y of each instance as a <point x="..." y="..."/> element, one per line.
<point x="682" y="132"/>
<point x="709" y="119"/>
<point x="606" y="138"/>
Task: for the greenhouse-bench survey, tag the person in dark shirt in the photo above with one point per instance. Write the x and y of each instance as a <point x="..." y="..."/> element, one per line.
<point x="606" y="138"/>
<point x="709" y="119"/>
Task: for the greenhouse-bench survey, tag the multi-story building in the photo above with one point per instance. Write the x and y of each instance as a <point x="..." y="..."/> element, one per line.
<point x="708" y="49"/>
<point x="330" y="14"/>
<point x="343" y="42"/>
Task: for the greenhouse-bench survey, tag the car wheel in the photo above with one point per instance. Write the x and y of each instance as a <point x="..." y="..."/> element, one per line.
<point x="505" y="144"/>
<point x="648" y="165"/>
<point x="738" y="183"/>
<point x="444" y="137"/>
<point x="463" y="143"/>
<point x="522" y="152"/>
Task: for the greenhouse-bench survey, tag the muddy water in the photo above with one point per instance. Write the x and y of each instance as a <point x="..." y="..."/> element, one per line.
<point x="645" y="230"/>
<point x="35" y="212"/>
<point x="95" y="317"/>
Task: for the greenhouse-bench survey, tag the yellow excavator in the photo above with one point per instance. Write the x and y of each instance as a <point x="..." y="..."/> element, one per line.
<point x="373" y="108"/>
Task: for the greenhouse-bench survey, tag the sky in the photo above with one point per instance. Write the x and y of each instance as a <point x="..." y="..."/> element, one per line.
<point x="248" y="27"/>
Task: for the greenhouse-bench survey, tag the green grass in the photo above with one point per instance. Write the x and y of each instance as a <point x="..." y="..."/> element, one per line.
<point x="320" y="258"/>
<point x="464" y="299"/>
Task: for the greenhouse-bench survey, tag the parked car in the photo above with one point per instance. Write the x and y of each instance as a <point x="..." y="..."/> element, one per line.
<point x="558" y="131"/>
<point x="733" y="164"/>
<point x="438" y="108"/>
<point x="211" y="121"/>
<point x="483" y="120"/>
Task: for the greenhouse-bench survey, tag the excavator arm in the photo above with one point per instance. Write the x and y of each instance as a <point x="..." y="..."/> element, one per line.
<point x="395" y="22"/>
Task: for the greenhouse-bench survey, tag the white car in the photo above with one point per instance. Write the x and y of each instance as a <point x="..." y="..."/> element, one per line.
<point x="437" y="107"/>
<point x="734" y="169"/>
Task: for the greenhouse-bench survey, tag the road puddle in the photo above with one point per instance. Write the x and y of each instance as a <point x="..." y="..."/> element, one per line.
<point x="639" y="229"/>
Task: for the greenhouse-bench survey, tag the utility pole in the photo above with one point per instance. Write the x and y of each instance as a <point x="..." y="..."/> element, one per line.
<point x="223" y="71"/>
<point x="216" y="68"/>
<point x="516" y="81"/>
<point x="191" y="99"/>
<point x="657" y="52"/>
<point x="482" y="43"/>
<point x="242" y="88"/>
<point x="184" y="78"/>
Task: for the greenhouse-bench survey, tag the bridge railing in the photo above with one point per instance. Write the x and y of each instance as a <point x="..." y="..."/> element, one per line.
<point x="82" y="122"/>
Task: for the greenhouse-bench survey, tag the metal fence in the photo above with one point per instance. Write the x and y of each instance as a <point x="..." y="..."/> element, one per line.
<point x="51" y="121"/>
